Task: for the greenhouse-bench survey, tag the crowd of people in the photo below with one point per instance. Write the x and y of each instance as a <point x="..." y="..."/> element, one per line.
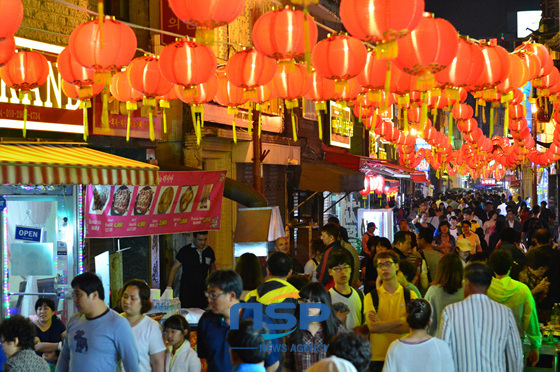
<point x="464" y="281"/>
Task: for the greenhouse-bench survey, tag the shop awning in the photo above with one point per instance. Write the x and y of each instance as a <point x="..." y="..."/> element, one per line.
<point x="419" y="178"/>
<point x="393" y="170"/>
<point x="322" y="176"/>
<point x="31" y="164"/>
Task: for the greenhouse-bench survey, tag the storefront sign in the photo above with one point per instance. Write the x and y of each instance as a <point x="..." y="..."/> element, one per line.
<point x="341" y="125"/>
<point x="488" y="181"/>
<point x="30" y="234"/>
<point x="182" y="202"/>
<point x="373" y="184"/>
<point x="424" y="166"/>
<point x="170" y="22"/>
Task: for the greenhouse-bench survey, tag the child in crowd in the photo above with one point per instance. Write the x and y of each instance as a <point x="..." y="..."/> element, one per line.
<point x="180" y="357"/>
<point x="406" y="274"/>
<point x="51" y="357"/>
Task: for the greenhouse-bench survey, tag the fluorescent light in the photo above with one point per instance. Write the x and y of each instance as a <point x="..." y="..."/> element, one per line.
<point x="37" y="45"/>
<point x="38" y="125"/>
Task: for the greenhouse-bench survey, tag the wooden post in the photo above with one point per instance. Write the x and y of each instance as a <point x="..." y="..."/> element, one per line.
<point x="257" y="155"/>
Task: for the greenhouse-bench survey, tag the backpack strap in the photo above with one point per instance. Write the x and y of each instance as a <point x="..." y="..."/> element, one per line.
<point x="375" y="298"/>
<point x="406" y="293"/>
<point x="427" y="267"/>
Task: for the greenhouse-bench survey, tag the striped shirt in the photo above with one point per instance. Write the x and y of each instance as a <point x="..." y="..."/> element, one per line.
<point x="482" y="335"/>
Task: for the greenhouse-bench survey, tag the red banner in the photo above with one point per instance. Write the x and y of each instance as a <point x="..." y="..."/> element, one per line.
<point x="170" y="22"/>
<point x="182" y="202"/>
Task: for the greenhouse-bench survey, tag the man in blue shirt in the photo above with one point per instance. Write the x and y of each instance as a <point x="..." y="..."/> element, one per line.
<point x="224" y="288"/>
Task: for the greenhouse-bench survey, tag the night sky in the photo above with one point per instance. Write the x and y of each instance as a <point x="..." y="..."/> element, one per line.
<point x="482" y="19"/>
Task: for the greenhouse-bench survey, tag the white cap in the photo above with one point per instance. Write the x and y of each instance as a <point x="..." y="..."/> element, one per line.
<point x="332" y="364"/>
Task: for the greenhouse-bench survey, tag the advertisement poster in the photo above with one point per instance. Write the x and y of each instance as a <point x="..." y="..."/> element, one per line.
<point x="182" y="202"/>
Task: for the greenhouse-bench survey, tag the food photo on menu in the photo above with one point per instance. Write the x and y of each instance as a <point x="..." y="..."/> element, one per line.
<point x="185" y="203"/>
<point x="204" y="202"/>
<point x="165" y="199"/>
<point x="100" y="198"/>
<point x="144" y="200"/>
<point x="121" y="201"/>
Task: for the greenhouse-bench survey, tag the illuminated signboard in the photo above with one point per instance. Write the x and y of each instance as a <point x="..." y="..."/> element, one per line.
<point x="341" y="125"/>
<point x="424" y="166"/>
<point x="488" y="181"/>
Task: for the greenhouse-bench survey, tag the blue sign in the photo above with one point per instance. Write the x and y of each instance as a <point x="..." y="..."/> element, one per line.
<point x="2" y="203"/>
<point x="30" y="234"/>
<point x="273" y="314"/>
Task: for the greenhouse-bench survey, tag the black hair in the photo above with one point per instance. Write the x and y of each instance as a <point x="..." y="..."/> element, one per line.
<point x="247" y="342"/>
<point x="351" y="347"/>
<point x="426" y="234"/>
<point x="491" y="213"/>
<point x="179" y="323"/>
<point x="541" y="259"/>
<point x="400" y="237"/>
<point x="196" y="233"/>
<point x="248" y="267"/>
<point x="510" y="235"/>
<point x="385" y="243"/>
<point x="387" y="254"/>
<point x="143" y="293"/>
<point x="298" y="280"/>
<point x="334" y="220"/>
<point x="479" y="274"/>
<point x="535" y="210"/>
<point x="339" y="258"/>
<point x="227" y="280"/>
<point x="279" y="264"/>
<point x="317" y="245"/>
<point x="45" y="301"/>
<point x="372" y="243"/>
<point x="317" y="293"/>
<point x="444" y="223"/>
<point x="89" y="282"/>
<point x="408" y="269"/>
<point x="340" y="306"/>
<point x="332" y="230"/>
<point x="465" y="222"/>
<point x="500" y="261"/>
<point x="542" y="236"/>
<point x="467" y="211"/>
<point x="19" y="327"/>
<point x="419" y="313"/>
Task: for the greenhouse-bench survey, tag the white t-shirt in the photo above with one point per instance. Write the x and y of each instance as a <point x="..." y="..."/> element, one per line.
<point x="355" y="302"/>
<point x="432" y="355"/>
<point x="184" y="360"/>
<point x="149" y="340"/>
<point x="310" y="269"/>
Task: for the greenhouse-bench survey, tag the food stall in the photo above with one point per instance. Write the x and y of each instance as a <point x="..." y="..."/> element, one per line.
<point x="42" y="198"/>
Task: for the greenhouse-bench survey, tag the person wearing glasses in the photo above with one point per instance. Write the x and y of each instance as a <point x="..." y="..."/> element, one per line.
<point x="340" y="269"/>
<point x="135" y="301"/>
<point x="223" y="290"/>
<point x="385" y="309"/>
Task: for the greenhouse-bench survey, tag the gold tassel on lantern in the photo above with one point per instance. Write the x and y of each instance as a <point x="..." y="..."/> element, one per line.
<point x="164" y="105"/>
<point x="250" y="123"/>
<point x="290" y="105"/>
<point x="387" y="50"/>
<point x="491" y="121"/>
<point x="388" y="79"/>
<point x="150" y="103"/>
<point x="130" y="106"/>
<point x="204" y="36"/>
<point x="259" y="108"/>
<point x="85" y="105"/>
<point x="22" y="95"/>
<point x="307" y="42"/>
<point x="233" y="111"/>
<point x="101" y="11"/>
<point x="321" y="106"/>
<point x="197" y="121"/>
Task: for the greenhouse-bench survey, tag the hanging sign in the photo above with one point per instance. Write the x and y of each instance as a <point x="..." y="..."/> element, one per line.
<point x="30" y="234"/>
<point x="373" y="184"/>
<point x="182" y="202"/>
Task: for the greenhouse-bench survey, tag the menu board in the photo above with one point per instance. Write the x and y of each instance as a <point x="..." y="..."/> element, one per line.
<point x="182" y="202"/>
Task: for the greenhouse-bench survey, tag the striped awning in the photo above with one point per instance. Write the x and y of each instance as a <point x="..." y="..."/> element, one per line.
<point x="30" y="164"/>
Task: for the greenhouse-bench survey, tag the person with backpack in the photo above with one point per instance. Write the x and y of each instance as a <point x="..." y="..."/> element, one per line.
<point x="385" y="308"/>
<point x="531" y="225"/>
<point x="342" y="292"/>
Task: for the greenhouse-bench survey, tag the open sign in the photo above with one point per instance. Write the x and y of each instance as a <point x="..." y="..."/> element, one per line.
<point x="373" y="184"/>
<point x="31" y="234"/>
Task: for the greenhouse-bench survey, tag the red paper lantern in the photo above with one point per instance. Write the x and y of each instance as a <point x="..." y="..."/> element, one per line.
<point x="145" y="77"/>
<point x="207" y="14"/>
<point x="7" y="49"/>
<point x="26" y="70"/>
<point x="532" y="62"/>
<point x="516" y="112"/>
<point x="322" y="89"/>
<point x="373" y="76"/>
<point x="466" y="67"/>
<point x="381" y="21"/>
<point x="123" y="92"/>
<point x="110" y="53"/>
<point x="187" y="63"/>
<point x="10" y="17"/>
<point x="73" y="72"/>
<point x="518" y="76"/>
<point x="350" y="91"/>
<point x="339" y="57"/>
<point x="290" y="82"/>
<point x="203" y="93"/>
<point x="281" y="34"/>
<point x="497" y="67"/>
<point x="467" y="126"/>
<point x="550" y="80"/>
<point x="249" y="69"/>
<point x="263" y="95"/>
<point x="462" y="111"/>
<point x="428" y="49"/>
<point x="84" y="94"/>
<point x="230" y="96"/>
